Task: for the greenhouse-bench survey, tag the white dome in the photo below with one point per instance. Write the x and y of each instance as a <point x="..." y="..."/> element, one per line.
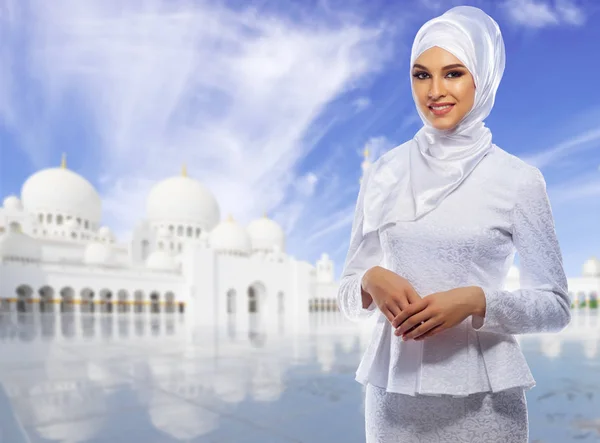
<point x="184" y="200"/>
<point x="98" y="254"/>
<point x="15" y="244"/>
<point x="59" y="190"/>
<point x="12" y="203"/>
<point x="513" y="273"/>
<point x="266" y="233"/>
<point x="161" y="261"/>
<point x="591" y="268"/>
<point x="229" y="236"/>
<point x="105" y="234"/>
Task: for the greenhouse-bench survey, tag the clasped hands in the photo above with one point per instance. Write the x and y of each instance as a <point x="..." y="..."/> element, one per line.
<point x="418" y="318"/>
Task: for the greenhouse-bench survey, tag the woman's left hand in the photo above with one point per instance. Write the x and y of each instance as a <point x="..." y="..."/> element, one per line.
<point x="437" y="312"/>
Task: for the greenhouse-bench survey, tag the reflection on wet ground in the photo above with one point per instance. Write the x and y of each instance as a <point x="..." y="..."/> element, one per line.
<point x="161" y="378"/>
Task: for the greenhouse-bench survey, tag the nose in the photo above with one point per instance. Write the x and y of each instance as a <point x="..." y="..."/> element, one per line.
<point x="436" y="88"/>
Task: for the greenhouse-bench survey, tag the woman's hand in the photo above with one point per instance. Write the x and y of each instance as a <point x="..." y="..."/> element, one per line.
<point x="438" y="311"/>
<point x="392" y="294"/>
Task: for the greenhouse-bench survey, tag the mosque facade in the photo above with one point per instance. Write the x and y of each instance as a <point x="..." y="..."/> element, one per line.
<point x="56" y="256"/>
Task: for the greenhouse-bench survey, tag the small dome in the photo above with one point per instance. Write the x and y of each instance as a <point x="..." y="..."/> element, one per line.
<point x="591" y="268"/>
<point x="15" y="244"/>
<point x="184" y="200"/>
<point x="104" y="233"/>
<point x="266" y="233"/>
<point x="62" y="191"/>
<point x="513" y="273"/>
<point x="229" y="236"/>
<point x="98" y="254"/>
<point x="161" y="261"/>
<point x="12" y="203"/>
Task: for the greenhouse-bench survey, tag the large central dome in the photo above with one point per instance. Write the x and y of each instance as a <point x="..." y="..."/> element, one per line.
<point x="62" y="191"/>
<point x="182" y="200"/>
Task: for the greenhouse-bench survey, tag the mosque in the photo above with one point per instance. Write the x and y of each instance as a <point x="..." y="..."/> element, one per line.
<point x="55" y="255"/>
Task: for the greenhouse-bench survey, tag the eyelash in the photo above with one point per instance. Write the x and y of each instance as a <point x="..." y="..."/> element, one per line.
<point x="417" y="74"/>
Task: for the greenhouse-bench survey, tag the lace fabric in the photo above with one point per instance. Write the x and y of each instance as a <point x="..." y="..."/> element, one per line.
<point x="470" y="239"/>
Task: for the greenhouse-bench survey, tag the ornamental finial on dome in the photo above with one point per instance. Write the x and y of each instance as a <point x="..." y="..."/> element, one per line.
<point x="183" y="170"/>
<point x="265" y="214"/>
<point x="366" y="153"/>
<point x="63" y="162"/>
<point x="230" y="218"/>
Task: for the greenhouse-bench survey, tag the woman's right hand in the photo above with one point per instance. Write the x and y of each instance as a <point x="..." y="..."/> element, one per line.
<point x="392" y="293"/>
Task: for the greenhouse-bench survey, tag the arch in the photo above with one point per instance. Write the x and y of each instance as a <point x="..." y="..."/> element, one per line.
<point x="14" y="226"/>
<point x="231" y="301"/>
<point x="138" y="301"/>
<point x="179" y="230"/>
<point x="106" y="300"/>
<point x="24" y="298"/>
<point x="87" y="300"/>
<point x="145" y="249"/>
<point x="67" y="299"/>
<point x="256" y="297"/>
<point x="46" y="294"/>
<point x="280" y="302"/>
<point x="170" y="302"/>
<point x="190" y="231"/>
<point x="123" y="301"/>
<point x="154" y="302"/>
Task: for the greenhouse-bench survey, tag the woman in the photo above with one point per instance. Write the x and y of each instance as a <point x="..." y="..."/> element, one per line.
<point x="438" y="221"/>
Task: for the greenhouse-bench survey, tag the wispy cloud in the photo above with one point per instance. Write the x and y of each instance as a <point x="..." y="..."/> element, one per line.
<point x="540" y="13"/>
<point x="581" y="142"/>
<point x="233" y="94"/>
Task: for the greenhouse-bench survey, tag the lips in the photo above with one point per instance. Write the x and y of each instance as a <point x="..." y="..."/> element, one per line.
<point x="439" y="105"/>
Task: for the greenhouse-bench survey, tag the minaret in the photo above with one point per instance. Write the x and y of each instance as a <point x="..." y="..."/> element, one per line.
<point x="365" y="164"/>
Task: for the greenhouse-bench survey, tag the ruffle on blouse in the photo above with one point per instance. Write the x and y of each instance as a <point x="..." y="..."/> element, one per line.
<point x="452" y="363"/>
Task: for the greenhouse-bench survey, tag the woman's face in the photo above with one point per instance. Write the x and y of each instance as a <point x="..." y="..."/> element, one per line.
<point x="443" y="87"/>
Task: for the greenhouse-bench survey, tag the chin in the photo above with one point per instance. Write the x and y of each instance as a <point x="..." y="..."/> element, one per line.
<point x="442" y="125"/>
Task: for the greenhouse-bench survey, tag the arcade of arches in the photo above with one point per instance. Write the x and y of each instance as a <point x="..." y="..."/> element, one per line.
<point x="105" y="300"/>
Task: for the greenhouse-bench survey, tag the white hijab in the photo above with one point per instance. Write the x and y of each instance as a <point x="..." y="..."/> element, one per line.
<point x="434" y="163"/>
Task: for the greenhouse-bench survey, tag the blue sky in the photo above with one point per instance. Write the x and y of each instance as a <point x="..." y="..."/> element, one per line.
<point x="272" y="107"/>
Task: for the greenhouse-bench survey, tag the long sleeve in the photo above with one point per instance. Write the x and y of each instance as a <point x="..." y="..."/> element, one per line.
<point x="364" y="252"/>
<point x="542" y="302"/>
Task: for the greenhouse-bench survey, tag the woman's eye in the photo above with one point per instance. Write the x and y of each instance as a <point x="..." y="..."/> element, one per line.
<point x="455" y="74"/>
<point x="420" y="75"/>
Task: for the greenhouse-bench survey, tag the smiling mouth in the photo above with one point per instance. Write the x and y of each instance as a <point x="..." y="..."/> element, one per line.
<point x="441" y="109"/>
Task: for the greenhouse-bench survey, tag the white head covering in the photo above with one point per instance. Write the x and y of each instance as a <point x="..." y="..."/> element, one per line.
<point x="438" y="161"/>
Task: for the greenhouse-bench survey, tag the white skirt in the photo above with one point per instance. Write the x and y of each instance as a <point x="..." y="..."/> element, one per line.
<point x="488" y="417"/>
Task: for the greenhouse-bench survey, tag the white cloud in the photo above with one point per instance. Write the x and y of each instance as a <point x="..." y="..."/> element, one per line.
<point x="579" y="143"/>
<point x="539" y="13"/>
<point x="233" y="94"/>
<point x="362" y="103"/>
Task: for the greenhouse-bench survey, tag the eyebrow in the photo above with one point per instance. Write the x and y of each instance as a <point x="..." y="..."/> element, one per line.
<point x="456" y="65"/>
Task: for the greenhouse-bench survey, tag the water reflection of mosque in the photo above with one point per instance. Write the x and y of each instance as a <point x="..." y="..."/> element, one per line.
<point x="85" y="359"/>
<point x="184" y="377"/>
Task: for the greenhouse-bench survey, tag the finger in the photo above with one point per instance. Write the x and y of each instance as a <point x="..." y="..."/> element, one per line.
<point x="411" y="310"/>
<point x="414" y="320"/>
<point x="412" y="296"/>
<point x="388" y="314"/>
<point x="394" y="309"/>
<point x="431" y="332"/>
<point x="428" y="325"/>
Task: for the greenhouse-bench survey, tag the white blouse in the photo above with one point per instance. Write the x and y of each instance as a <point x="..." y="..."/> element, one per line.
<point x="470" y="239"/>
